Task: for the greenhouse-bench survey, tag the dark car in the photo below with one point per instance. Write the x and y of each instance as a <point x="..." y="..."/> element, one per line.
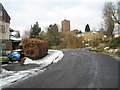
<point x="4" y="58"/>
<point x="16" y="55"/>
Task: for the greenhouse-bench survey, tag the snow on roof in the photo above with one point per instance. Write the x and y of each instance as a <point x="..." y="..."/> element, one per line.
<point x="15" y="39"/>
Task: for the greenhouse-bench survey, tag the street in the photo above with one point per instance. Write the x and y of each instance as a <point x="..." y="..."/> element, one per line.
<point x="79" y="68"/>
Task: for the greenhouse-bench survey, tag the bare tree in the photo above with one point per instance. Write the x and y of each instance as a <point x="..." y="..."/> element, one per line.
<point x="26" y="34"/>
<point x="115" y="12"/>
<point x="108" y="12"/>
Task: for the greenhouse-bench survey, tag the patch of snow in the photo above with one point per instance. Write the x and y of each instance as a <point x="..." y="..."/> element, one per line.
<point x="93" y="48"/>
<point x="116" y="57"/>
<point x="16" y="77"/>
<point x="6" y="73"/>
<point x="10" y="77"/>
<point x="53" y="56"/>
<point x="106" y="48"/>
<point x="60" y="54"/>
<point x="4" y="64"/>
<point x="113" y="50"/>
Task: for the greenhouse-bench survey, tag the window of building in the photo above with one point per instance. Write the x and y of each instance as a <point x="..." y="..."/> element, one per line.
<point x="3" y="46"/>
<point x="3" y="29"/>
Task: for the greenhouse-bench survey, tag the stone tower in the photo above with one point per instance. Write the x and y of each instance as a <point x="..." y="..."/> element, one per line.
<point x="65" y="25"/>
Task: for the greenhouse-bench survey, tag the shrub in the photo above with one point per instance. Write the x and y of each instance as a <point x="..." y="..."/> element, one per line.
<point x="95" y="43"/>
<point x="118" y="53"/>
<point x="100" y="49"/>
<point x="34" y="48"/>
<point x="115" y="42"/>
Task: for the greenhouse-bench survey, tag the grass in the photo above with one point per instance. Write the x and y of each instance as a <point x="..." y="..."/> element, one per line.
<point x="100" y="49"/>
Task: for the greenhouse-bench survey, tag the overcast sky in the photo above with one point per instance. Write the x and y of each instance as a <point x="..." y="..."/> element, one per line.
<point x="25" y="13"/>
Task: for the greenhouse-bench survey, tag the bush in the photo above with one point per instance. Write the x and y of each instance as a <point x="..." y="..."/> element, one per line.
<point x="34" y="48"/>
<point x="100" y="49"/>
<point x="115" y="42"/>
<point x="118" y="53"/>
<point x="69" y="40"/>
<point x="95" y="43"/>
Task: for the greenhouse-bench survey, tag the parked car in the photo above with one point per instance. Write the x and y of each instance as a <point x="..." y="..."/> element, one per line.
<point x="16" y="55"/>
<point x="4" y="58"/>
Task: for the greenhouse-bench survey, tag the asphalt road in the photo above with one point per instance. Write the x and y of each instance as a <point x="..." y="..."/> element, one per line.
<point x="78" y="69"/>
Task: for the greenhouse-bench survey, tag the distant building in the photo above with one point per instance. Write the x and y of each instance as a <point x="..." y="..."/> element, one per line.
<point x="65" y="25"/>
<point x="75" y="31"/>
<point x="4" y="23"/>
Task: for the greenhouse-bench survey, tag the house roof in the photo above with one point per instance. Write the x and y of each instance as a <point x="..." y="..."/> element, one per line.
<point x="4" y="11"/>
<point x="0" y="6"/>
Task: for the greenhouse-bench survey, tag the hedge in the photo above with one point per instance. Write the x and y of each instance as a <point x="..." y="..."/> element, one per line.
<point x="34" y="48"/>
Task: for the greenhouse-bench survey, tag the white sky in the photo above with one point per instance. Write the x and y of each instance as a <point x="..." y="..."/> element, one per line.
<point x="25" y="13"/>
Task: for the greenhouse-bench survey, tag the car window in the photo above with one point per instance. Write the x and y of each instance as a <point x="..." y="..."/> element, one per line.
<point x="4" y="54"/>
<point x="14" y="52"/>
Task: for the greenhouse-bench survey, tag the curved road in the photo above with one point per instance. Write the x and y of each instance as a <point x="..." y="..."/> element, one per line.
<point x="78" y="69"/>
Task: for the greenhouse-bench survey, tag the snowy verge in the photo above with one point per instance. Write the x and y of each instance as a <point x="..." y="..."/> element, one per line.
<point x="8" y="78"/>
<point x="53" y="56"/>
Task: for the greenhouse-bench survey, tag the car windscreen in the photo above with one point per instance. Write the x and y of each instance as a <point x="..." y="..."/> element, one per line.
<point x="14" y="52"/>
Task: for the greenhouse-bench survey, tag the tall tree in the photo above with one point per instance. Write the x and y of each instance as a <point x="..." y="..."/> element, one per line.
<point x="87" y="28"/>
<point x="108" y="12"/>
<point x="35" y="31"/>
<point x="115" y="12"/>
<point x="53" y="35"/>
<point x="118" y="12"/>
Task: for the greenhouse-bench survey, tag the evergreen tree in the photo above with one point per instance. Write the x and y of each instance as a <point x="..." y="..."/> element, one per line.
<point x="53" y="35"/>
<point x="87" y="28"/>
<point x="35" y="31"/>
<point x="79" y="32"/>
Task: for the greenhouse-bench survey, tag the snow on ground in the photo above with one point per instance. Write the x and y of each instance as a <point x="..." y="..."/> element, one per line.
<point x="10" y="77"/>
<point x="53" y="56"/>
<point x="116" y="57"/>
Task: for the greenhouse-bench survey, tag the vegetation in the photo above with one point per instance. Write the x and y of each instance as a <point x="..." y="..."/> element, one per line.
<point x="53" y="36"/>
<point x="6" y="40"/>
<point x="100" y="49"/>
<point x="79" y="32"/>
<point x="34" y="48"/>
<point x="69" y="40"/>
<point x="115" y="11"/>
<point x="110" y="14"/>
<point x="108" y="20"/>
<point x="26" y="34"/>
<point x="95" y="43"/>
<point x="113" y="47"/>
<point x="87" y="28"/>
<point x="115" y="43"/>
<point x="118" y="53"/>
<point x="35" y="31"/>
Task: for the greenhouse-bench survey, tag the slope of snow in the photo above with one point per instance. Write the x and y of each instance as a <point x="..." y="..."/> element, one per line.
<point x="10" y="77"/>
<point x="53" y="56"/>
